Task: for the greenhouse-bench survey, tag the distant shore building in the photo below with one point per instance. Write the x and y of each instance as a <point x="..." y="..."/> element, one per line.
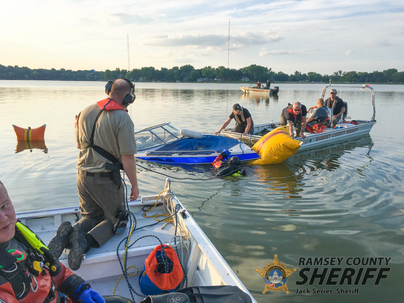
<point x="203" y="79"/>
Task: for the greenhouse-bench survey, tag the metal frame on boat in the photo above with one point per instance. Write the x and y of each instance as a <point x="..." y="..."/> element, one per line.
<point x="203" y="265"/>
<point x="349" y="129"/>
<point x="162" y="144"/>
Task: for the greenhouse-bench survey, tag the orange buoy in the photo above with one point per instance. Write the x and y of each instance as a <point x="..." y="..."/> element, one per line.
<point x="30" y="134"/>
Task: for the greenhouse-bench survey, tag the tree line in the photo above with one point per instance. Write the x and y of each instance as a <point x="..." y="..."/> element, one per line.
<point x="187" y="73"/>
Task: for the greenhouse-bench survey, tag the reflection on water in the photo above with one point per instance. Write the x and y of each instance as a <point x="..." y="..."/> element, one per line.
<point x="278" y="177"/>
<point x="287" y="177"/>
<point x="30" y="145"/>
<point x="328" y="158"/>
<point x="258" y="98"/>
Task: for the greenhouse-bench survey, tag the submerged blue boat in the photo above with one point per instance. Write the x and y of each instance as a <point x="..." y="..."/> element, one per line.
<point x="166" y="144"/>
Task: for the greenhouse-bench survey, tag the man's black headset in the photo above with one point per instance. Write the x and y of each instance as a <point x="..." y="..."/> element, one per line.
<point x="129" y="98"/>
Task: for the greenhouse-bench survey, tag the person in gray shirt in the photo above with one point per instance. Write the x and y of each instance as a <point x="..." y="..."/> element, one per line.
<point x="320" y="114"/>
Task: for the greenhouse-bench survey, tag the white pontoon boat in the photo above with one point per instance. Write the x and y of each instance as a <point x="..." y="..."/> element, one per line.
<point x="202" y="263"/>
<point x="342" y="132"/>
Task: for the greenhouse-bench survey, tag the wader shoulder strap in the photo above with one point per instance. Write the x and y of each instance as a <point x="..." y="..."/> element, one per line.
<point x="93" y="131"/>
<point x="100" y="150"/>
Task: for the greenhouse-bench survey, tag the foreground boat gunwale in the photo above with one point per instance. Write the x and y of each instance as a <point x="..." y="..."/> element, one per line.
<point x="204" y="264"/>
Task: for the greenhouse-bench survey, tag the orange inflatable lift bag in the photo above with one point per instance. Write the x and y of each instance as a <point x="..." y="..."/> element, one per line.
<point x="30" y="134"/>
<point x="162" y="273"/>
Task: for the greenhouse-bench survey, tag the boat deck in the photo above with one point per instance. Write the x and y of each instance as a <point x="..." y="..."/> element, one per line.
<point x="98" y="260"/>
<point x="202" y="263"/>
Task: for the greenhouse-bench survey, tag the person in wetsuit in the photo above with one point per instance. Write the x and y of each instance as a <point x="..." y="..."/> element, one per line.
<point x="29" y="275"/>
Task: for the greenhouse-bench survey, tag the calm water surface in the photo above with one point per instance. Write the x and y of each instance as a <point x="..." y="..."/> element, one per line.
<point x="341" y="201"/>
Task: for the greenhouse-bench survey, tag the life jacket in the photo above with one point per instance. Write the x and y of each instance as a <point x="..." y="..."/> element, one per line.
<point x="222" y="156"/>
<point x="25" y="271"/>
<point x="316" y="128"/>
<point x="332" y="104"/>
<point x="290" y="109"/>
<point x="109" y="104"/>
<point x="297" y="117"/>
<point x="242" y="122"/>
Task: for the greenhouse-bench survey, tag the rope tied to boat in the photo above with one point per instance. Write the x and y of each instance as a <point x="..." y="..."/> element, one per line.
<point x="166" y="265"/>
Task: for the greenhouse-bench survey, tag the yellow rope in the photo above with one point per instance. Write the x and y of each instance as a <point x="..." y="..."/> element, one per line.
<point x="125" y="256"/>
<point x="130" y="235"/>
<point x="131" y="275"/>
<point x="159" y="215"/>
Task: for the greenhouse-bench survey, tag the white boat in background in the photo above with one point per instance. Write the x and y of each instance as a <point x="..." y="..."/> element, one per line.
<point x="255" y="90"/>
<point x="202" y="263"/>
<point x="347" y="130"/>
<point x="166" y="144"/>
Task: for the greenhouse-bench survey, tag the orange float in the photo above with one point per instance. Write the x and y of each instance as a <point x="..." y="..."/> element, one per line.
<point x="30" y="134"/>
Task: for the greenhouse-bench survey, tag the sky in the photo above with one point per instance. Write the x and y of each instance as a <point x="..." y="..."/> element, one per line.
<point x="284" y="35"/>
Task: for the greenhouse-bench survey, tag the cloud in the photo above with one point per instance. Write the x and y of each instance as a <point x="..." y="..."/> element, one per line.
<point x="377" y="43"/>
<point x="384" y="43"/>
<point x="239" y="41"/>
<point x="265" y="52"/>
<point x="169" y="33"/>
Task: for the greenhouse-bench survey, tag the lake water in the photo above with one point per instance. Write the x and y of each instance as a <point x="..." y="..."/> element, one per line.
<point x="344" y="201"/>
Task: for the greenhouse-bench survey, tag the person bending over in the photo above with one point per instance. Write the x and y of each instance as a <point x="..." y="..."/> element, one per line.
<point x="295" y="115"/>
<point x="244" y="122"/>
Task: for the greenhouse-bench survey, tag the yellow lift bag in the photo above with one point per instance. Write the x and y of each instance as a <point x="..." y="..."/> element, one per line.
<point x="275" y="147"/>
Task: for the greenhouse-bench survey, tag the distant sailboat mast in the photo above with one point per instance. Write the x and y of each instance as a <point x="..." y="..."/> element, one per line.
<point x="228" y="48"/>
<point x="128" y="53"/>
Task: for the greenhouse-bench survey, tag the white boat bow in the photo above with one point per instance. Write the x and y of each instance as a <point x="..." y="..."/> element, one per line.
<point x="202" y="263"/>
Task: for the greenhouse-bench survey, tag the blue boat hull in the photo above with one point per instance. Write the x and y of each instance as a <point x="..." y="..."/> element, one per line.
<point x="193" y="160"/>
